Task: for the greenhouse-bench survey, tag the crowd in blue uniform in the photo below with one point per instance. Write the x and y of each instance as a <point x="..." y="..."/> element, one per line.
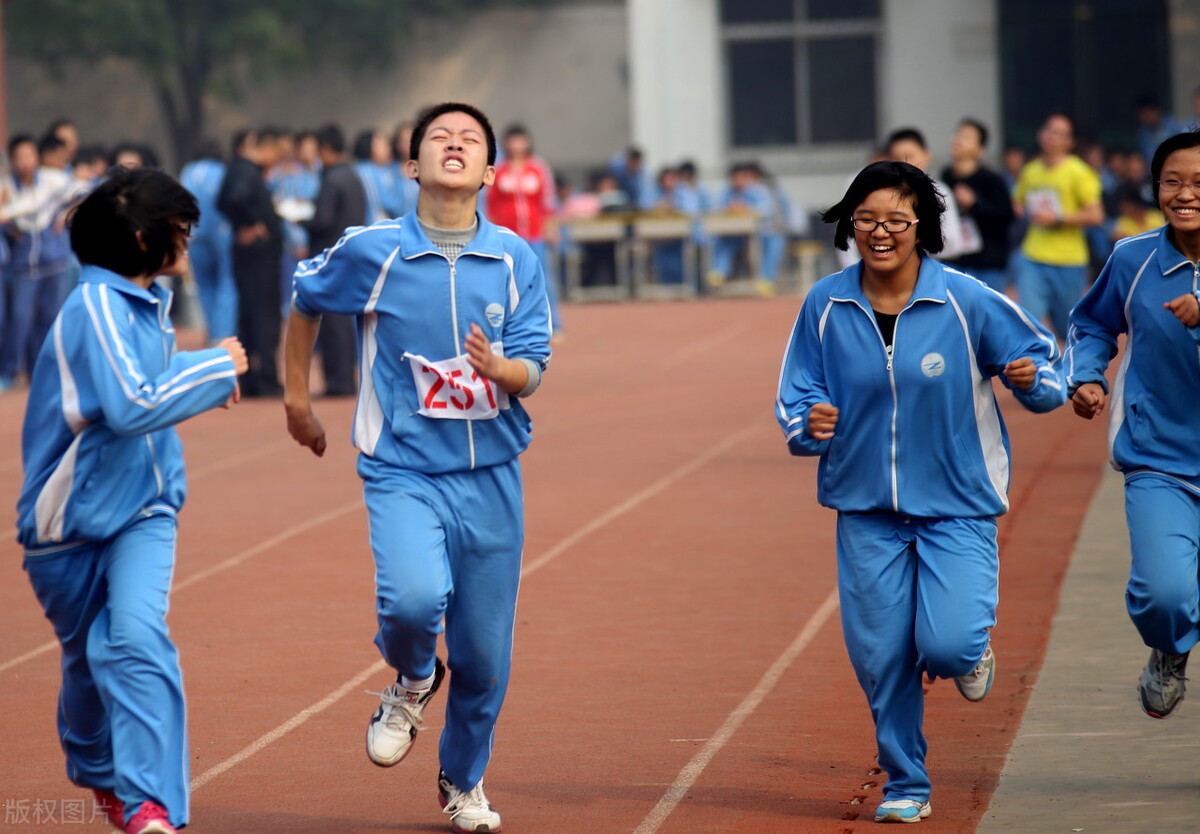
<point x="887" y="377"/>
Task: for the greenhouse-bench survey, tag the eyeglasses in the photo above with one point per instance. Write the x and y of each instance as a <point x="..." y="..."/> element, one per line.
<point x="1171" y="186"/>
<point x="867" y="224"/>
<point x="184" y="229"/>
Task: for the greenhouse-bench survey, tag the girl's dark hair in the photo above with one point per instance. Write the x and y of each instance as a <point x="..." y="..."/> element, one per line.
<point x="105" y="226"/>
<point x="1178" y="142"/>
<point x="426" y="118"/>
<point x="908" y="181"/>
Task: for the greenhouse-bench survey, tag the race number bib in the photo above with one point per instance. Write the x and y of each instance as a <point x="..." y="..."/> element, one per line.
<point x="452" y="390"/>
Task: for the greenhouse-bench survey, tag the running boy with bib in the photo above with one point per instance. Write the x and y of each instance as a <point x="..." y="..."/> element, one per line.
<point x="454" y="330"/>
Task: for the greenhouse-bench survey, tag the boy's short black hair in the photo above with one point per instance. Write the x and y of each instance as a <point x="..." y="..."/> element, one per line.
<point x="105" y="226"/>
<point x="516" y="129"/>
<point x="362" y="144"/>
<point x="909" y="181"/>
<point x="427" y="117"/>
<point x="906" y="134"/>
<point x="1178" y="142"/>
<point x="331" y="136"/>
<point x="20" y="139"/>
<point x="49" y="143"/>
<point x="88" y="154"/>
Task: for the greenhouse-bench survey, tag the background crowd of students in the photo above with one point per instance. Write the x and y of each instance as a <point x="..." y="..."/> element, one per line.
<point x="263" y="212"/>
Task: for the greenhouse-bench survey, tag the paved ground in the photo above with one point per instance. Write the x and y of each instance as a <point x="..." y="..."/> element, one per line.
<point x="1086" y="758"/>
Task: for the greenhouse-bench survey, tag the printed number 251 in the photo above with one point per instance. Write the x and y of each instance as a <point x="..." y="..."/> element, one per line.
<point x="447" y="392"/>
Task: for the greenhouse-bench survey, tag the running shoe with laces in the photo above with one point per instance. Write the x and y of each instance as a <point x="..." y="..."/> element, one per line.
<point x="469" y="811"/>
<point x="903" y="810"/>
<point x="1162" y="685"/>
<point x="975" y="685"/>
<point x="393" y="728"/>
<point x="150" y="819"/>
<point x="112" y="807"/>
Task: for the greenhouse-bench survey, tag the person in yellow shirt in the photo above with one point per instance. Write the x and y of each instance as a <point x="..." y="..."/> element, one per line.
<point x="1135" y="216"/>
<point x="1059" y="194"/>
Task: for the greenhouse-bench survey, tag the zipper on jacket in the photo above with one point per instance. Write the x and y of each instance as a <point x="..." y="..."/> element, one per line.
<point x="458" y="345"/>
<point x="890" y="351"/>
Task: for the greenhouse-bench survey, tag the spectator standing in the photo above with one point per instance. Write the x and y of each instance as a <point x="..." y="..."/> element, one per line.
<point x="210" y="249"/>
<point x="984" y="206"/>
<point x="629" y="167"/>
<point x="257" y="248"/>
<point x="39" y="261"/>
<point x="373" y="162"/>
<point x="1154" y="125"/>
<point x="341" y="202"/>
<point x="1059" y="195"/>
<point x="522" y="198"/>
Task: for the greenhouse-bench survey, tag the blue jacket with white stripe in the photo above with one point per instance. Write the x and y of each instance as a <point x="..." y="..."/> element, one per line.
<point x="98" y="443"/>
<point x="409" y="298"/>
<point x="1156" y="393"/>
<point x="919" y="430"/>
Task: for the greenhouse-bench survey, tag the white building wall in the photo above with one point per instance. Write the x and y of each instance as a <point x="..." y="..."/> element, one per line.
<point x="676" y="103"/>
<point x="939" y="64"/>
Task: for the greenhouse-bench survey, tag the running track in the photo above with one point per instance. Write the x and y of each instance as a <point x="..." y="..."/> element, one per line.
<point x="679" y="663"/>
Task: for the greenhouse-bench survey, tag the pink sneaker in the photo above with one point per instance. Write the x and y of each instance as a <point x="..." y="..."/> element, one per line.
<point x="150" y="819"/>
<point x="112" y="807"/>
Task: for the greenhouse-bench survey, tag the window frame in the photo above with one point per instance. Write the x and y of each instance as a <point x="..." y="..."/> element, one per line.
<point x="800" y="32"/>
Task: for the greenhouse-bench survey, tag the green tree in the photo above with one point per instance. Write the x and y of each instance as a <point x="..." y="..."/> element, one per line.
<point x="190" y="48"/>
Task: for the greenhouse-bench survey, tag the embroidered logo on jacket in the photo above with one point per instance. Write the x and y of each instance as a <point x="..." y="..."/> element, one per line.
<point x="932" y="364"/>
<point x="494" y="314"/>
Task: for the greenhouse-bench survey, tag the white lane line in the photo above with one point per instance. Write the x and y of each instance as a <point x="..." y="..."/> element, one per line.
<point x="267" y="544"/>
<point x="692" y="770"/>
<point x="232" y="561"/>
<point x="595" y="524"/>
<point x="289" y="725"/>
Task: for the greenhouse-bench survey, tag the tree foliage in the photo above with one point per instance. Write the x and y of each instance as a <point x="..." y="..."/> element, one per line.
<point x="190" y="48"/>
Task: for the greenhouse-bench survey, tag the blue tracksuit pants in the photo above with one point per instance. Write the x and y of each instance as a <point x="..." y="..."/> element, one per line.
<point x="121" y="714"/>
<point x="448" y="547"/>
<point x="1049" y="292"/>
<point x="212" y="267"/>
<point x="918" y="595"/>
<point x="1163" y="595"/>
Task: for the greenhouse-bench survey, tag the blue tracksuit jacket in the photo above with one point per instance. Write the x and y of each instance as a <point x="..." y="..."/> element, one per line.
<point x="919" y="431"/>
<point x="1156" y="394"/>
<point x="98" y="443"/>
<point x="410" y="300"/>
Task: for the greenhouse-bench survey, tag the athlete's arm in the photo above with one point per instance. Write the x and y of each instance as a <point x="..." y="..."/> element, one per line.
<point x="302" y="423"/>
<point x="512" y="375"/>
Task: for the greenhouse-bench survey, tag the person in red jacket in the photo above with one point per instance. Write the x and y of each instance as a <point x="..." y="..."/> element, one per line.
<point x="523" y="199"/>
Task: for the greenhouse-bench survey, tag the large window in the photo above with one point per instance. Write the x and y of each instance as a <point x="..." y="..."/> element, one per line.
<point x="800" y="72"/>
<point x="1091" y="59"/>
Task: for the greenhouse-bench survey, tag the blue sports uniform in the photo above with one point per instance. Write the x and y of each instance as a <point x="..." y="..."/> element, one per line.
<point x="1153" y="434"/>
<point x="443" y="490"/>
<point x="917" y="470"/>
<point x="104" y="479"/>
<point x="210" y="249"/>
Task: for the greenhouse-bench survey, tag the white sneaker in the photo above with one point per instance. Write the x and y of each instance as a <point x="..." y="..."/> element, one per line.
<point x="974" y="685"/>
<point x="393" y="728"/>
<point x="470" y="812"/>
<point x="1163" y="683"/>
<point x="903" y="810"/>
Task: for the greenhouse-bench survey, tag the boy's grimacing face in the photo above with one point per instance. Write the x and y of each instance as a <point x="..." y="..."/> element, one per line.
<point x="453" y="154"/>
